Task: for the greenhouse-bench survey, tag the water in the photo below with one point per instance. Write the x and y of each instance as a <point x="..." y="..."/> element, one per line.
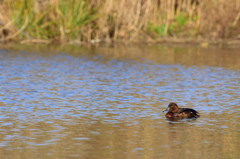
<point x="107" y="102"/>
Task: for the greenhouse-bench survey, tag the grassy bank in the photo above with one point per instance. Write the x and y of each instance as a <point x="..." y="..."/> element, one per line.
<point x="90" y="21"/>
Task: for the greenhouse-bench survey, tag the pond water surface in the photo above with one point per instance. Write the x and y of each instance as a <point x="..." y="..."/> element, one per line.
<point x="107" y="102"/>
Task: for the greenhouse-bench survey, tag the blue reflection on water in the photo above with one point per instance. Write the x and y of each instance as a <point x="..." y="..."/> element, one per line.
<point x="38" y="88"/>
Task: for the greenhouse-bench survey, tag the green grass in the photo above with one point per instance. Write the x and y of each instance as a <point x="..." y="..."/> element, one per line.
<point x="175" y="27"/>
<point x="155" y="29"/>
<point x="64" y="20"/>
<point x="179" y="24"/>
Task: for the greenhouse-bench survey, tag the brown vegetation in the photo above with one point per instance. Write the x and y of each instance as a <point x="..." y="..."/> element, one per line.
<point x="78" y="21"/>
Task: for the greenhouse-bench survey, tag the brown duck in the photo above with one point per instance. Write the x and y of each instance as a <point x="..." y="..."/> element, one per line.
<point x="174" y="112"/>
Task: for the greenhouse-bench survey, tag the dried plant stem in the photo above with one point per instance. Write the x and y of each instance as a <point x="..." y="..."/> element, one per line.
<point x="236" y="19"/>
<point x="19" y="31"/>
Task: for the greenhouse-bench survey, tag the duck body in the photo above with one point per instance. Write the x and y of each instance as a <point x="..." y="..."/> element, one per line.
<point x="174" y="112"/>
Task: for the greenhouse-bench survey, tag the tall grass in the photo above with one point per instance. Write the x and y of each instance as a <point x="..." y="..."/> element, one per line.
<point x="118" y="20"/>
<point x="62" y="20"/>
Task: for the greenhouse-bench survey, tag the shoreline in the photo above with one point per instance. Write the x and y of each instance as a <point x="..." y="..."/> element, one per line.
<point x="231" y="43"/>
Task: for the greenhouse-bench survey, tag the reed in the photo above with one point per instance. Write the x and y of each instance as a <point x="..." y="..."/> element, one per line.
<point x="56" y="19"/>
<point x="118" y="20"/>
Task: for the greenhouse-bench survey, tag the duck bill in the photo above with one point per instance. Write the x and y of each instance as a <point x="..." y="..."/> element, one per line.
<point x="165" y="110"/>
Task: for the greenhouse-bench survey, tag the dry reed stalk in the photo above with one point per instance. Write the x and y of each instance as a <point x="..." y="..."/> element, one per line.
<point x="236" y="19"/>
<point x="140" y="21"/>
<point x="118" y="19"/>
<point x="18" y="32"/>
<point x="54" y="2"/>
<point x="105" y="23"/>
<point x="169" y="17"/>
<point x="217" y="18"/>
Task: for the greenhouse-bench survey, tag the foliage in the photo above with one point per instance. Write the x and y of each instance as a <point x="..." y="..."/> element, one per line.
<point x="63" y="19"/>
<point x="97" y="20"/>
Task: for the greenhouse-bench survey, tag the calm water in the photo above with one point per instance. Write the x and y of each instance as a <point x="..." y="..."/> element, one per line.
<point x="107" y="102"/>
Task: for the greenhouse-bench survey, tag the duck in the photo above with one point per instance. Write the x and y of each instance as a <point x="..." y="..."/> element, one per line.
<point x="174" y="112"/>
